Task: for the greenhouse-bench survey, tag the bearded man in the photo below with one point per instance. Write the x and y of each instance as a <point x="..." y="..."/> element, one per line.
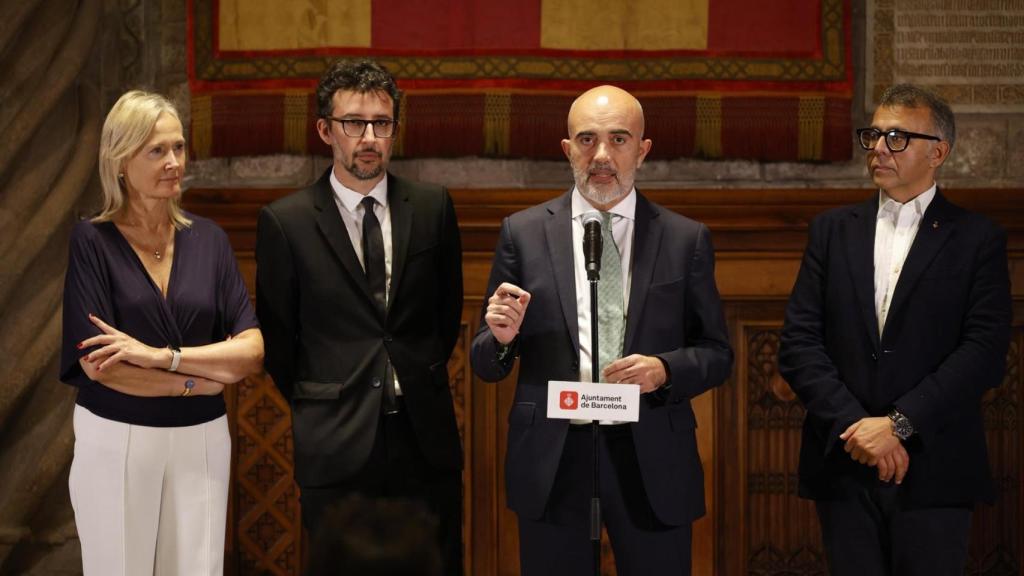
<point x="359" y="291"/>
<point x="661" y="328"/>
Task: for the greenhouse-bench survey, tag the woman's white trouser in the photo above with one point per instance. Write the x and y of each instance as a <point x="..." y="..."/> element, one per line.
<point x="150" y="500"/>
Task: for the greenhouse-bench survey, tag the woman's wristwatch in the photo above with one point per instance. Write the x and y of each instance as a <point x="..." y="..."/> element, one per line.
<point x="175" y="359"/>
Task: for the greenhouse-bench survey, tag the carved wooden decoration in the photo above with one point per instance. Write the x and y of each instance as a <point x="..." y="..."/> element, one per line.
<point x="782" y="530"/>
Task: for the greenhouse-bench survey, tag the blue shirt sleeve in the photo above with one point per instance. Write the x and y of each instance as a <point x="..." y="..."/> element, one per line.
<point x="86" y="291"/>
<point x="236" y="308"/>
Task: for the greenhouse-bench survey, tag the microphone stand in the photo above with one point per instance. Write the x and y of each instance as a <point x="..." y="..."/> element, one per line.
<point x="595" y="427"/>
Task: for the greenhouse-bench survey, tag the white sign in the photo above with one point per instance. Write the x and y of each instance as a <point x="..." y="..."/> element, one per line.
<point x="593" y="401"/>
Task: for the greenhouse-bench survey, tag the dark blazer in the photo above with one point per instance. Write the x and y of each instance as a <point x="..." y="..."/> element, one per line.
<point x="326" y="345"/>
<point x="944" y="344"/>
<point x="674" y="312"/>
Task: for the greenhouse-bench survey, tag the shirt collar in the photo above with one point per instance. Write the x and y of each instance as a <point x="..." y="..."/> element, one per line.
<point x="920" y="202"/>
<point x="350" y="199"/>
<point x="625" y="208"/>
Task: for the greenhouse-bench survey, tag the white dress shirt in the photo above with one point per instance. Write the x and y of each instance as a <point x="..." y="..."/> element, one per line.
<point x="894" y="234"/>
<point x="351" y="210"/>
<point x="623" y="220"/>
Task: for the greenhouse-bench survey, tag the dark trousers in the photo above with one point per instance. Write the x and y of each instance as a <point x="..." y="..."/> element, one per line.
<point x="874" y="534"/>
<point x="397" y="469"/>
<point x="559" y="543"/>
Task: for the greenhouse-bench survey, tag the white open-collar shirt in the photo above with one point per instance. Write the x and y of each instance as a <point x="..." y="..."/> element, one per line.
<point x="894" y="234"/>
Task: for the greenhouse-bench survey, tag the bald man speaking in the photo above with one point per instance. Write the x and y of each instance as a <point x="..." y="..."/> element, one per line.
<point x="661" y="328"/>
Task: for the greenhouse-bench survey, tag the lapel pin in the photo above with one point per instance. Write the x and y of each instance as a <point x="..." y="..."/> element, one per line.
<point x="935" y="224"/>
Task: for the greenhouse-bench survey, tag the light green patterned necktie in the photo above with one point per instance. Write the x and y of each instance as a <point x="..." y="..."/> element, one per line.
<point x="610" y="310"/>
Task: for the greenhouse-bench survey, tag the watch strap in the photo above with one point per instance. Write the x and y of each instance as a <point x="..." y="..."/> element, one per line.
<point x="902" y="428"/>
<point x="175" y="359"/>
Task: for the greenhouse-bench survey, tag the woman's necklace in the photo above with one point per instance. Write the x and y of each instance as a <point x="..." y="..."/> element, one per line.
<point x="157" y="252"/>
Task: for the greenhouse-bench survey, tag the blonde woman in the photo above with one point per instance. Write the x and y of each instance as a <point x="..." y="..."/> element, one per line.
<point x="157" y="321"/>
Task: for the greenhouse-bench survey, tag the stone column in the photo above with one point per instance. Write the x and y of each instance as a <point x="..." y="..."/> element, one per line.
<point x="50" y="120"/>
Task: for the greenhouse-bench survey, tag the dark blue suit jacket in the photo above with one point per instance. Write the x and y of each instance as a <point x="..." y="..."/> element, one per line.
<point x="944" y="344"/>
<point x="673" y="312"/>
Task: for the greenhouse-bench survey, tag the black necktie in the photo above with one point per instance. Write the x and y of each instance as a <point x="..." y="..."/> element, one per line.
<point x="373" y="262"/>
<point x="373" y="255"/>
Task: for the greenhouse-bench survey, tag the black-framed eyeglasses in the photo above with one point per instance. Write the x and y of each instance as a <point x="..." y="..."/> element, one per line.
<point x="356" y="127"/>
<point x="895" y="140"/>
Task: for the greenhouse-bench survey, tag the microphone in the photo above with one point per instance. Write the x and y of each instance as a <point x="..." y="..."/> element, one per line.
<point x="592" y="244"/>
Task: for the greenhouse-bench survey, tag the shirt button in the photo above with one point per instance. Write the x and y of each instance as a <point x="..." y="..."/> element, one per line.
<point x="376" y="382"/>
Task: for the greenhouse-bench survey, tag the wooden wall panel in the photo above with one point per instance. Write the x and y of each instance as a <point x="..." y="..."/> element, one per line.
<point x="997" y="534"/>
<point x="748" y="433"/>
<point x="781" y="531"/>
<point x="264" y="521"/>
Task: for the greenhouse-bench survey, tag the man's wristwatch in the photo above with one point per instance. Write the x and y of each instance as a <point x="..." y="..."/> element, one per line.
<point x="901" y="426"/>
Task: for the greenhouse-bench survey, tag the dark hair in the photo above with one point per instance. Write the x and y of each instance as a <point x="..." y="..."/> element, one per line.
<point x="911" y="96"/>
<point x="360" y="76"/>
<point x="381" y="537"/>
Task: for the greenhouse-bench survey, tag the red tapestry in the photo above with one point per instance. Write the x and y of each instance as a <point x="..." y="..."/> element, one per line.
<point x="717" y="79"/>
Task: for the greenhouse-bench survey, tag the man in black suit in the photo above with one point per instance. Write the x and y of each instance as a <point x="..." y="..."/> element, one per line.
<point x="669" y="338"/>
<point x="359" y="291"/>
<point x="897" y="325"/>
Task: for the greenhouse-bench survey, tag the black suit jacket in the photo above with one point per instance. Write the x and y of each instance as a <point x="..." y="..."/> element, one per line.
<point x="944" y="344"/>
<point x="326" y="345"/>
<point x="674" y="312"/>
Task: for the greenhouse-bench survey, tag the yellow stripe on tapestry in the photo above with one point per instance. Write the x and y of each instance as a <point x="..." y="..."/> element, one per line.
<point x="811" y="127"/>
<point x="618" y="25"/>
<point x="296" y="122"/>
<point x="497" y="124"/>
<point x="202" y="126"/>
<point x="708" y="133"/>
<point x="276" y="25"/>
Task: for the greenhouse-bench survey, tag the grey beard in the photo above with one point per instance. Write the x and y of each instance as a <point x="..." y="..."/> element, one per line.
<point x="593" y="194"/>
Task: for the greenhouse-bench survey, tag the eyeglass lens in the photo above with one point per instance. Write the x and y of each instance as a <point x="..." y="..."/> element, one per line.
<point x="895" y="140"/>
<point x="355" y="128"/>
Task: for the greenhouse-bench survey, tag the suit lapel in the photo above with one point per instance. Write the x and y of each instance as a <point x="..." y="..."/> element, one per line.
<point x="935" y="229"/>
<point x="860" y="245"/>
<point x="558" y="233"/>
<point x="401" y="230"/>
<point x="646" y="243"/>
<point x="329" y="221"/>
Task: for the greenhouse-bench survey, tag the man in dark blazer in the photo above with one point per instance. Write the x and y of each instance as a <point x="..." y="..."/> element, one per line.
<point x="359" y="290"/>
<point x="674" y="347"/>
<point x="897" y="325"/>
